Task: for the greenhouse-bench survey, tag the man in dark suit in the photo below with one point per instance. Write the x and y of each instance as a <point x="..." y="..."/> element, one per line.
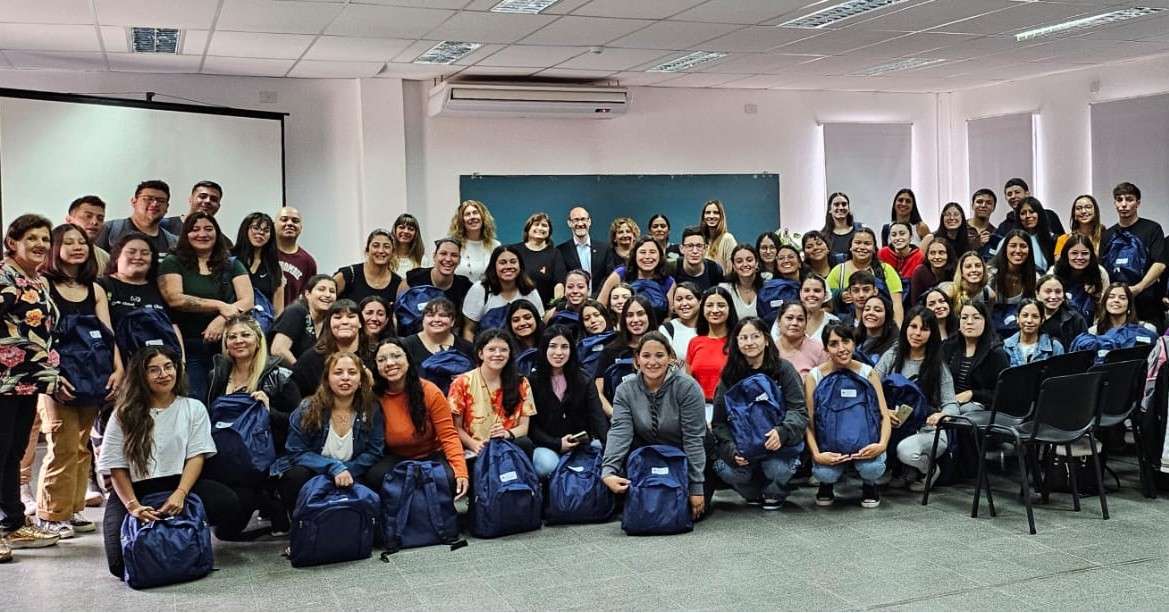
<point x="581" y="251"/>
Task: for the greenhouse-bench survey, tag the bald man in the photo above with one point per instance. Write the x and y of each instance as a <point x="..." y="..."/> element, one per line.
<point x="581" y="251"/>
<point x="298" y="265"/>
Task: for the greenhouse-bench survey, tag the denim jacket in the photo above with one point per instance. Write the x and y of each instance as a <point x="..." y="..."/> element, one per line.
<point x="304" y="448"/>
<point x="1045" y="347"/>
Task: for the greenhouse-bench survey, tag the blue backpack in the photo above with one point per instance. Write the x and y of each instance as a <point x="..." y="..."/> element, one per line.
<point x="568" y="318"/>
<point x="576" y="494"/>
<point x="846" y="412"/>
<point x="1124" y="257"/>
<point x="755" y="407"/>
<point x="242" y="433"/>
<point x="525" y="362"/>
<point x="773" y="295"/>
<point x="494" y="318"/>
<point x="653" y="291"/>
<point x="1005" y="319"/>
<point x="588" y="352"/>
<point x="443" y="366"/>
<point x="86" y="348"/>
<point x="145" y="327"/>
<point x="1085" y="341"/>
<point x="263" y="311"/>
<point x="507" y="491"/>
<point x="408" y="309"/>
<point x="168" y="551"/>
<point x="900" y="390"/>
<point x="657" y="501"/>
<point x="1082" y="301"/>
<point x="615" y="374"/>
<point x="332" y="524"/>
<point x="1130" y="335"/>
<point x="417" y="507"/>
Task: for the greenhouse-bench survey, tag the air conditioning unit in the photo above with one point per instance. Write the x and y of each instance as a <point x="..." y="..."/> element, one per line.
<point x="517" y="100"/>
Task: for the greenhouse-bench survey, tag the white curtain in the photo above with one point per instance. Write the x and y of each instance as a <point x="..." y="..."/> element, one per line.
<point x="1130" y="142"/>
<point x="998" y="149"/>
<point x="869" y="162"/>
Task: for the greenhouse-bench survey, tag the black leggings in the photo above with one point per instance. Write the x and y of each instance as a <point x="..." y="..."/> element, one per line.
<point x="377" y="473"/>
<point x="16" y="417"/>
<point x="227" y="509"/>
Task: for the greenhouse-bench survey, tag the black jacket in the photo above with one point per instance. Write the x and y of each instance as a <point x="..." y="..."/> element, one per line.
<point x="580" y="411"/>
<point x="600" y="257"/>
<point x="275" y="381"/>
<point x="989" y="360"/>
<point x="791" y="429"/>
<point x="1065" y="325"/>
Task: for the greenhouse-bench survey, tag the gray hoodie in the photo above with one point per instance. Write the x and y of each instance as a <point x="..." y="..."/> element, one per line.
<point x="681" y="417"/>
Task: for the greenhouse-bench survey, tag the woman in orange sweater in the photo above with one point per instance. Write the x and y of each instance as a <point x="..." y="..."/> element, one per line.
<point x="417" y="419"/>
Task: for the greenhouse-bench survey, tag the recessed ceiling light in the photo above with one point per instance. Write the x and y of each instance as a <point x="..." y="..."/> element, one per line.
<point x="687" y="61"/>
<point x="447" y="52"/>
<point x="145" y="39"/>
<point x="528" y="7"/>
<point x="1089" y="22"/>
<point x="837" y="12"/>
<point x="903" y="64"/>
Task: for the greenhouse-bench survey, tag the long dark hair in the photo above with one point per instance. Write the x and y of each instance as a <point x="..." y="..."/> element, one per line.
<point x="524" y="305"/>
<point x="914" y="214"/>
<point x="327" y="343"/>
<point x="632" y="273"/>
<point x="888" y="335"/>
<point x="732" y="277"/>
<point x="1089" y="278"/>
<point x="1042" y="232"/>
<point x="703" y="326"/>
<point x="415" y="400"/>
<point x="951" y="326"/>
<point x="829" y="224"/>
<point x="1002" y="269"/>
<point x="55" y="266"/>
<point x="774" y="238"/>
<point x="133" y="405"/>
<point x="217" y="262"/>
<point x="542" y="377"/>
<point x="988" y="337"/>
<point x="1103" y="319"/>
<point x="116" y="253"/>
<point x="244" y="252"/>
<point x="491" y="280"/>
<point x="737" y="367"/>
<point x="622" y="338"/>
<point x="319" y="406"/>
<point x="929" y="374"/>
<point x="509" y="379"/>
<point x="961" y="242"/>
<point x="947" y="271"/>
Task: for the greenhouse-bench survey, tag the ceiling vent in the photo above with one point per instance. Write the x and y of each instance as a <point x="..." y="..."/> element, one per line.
<point x="154" y="40"/>
<point x="517" y="100"/>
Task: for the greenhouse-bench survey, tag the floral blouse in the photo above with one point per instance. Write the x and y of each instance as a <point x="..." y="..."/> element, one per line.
<point x="28" y="362"/>
<point x="477" y="409"/>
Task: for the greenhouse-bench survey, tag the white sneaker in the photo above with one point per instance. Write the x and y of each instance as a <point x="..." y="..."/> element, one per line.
<point x="81" y="524"/>
<point x="61" y="528"/>
<point x="29" y="499"/>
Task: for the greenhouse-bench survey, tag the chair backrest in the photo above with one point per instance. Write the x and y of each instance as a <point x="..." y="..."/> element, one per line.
<point x="1069" y="403"/>
<point x="1017" y="389"/>
<point x="1124" y="386"/>
<point x="1139" y="352"/>
<point x="1068" y="364"/>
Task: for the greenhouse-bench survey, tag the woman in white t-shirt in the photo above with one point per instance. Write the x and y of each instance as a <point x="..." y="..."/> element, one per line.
<point x="474" y="226"/>
<point x="504" y="282"/>
<point x="156" y="442"/>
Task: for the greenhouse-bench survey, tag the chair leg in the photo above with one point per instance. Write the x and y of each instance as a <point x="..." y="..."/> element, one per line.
<point x="1023" y="469"/>
<point x="1099" y="476"/>
<point x="933" y="465"/>
<point x="1072" y="479"/>
<point x="1143" y="467"/>
<point x="1044" y="462"/>
<point x="981" y="477"/>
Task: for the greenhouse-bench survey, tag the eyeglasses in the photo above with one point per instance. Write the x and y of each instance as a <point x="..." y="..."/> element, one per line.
<point x="155" y="199"/>
<point x="156" y="371"/>
<point x="693" y="246"/>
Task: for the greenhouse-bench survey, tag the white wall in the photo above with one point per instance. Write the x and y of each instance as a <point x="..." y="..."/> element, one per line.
<point x="665" y="131"/>
<point x="1063" y="164"/>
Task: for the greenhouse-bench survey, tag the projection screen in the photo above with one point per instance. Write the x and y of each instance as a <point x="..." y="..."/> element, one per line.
<point x="57" y="147"/>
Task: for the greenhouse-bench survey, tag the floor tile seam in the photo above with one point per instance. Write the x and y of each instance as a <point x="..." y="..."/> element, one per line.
<point x="992" y="586"/>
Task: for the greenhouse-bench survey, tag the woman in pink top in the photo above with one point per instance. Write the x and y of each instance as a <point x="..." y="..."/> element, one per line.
<point x="794" y="346"/>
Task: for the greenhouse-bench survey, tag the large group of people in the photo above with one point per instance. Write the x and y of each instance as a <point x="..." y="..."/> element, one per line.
<point x="617" y="344"/>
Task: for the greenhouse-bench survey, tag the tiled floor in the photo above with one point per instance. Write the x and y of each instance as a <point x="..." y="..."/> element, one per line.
<point x="901" y="556"/>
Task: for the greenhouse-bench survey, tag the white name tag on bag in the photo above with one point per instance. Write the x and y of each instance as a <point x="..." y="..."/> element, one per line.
<point x="1121" y="261"/>
<point x="762" y="397"/>
<point x="1009" y="319"/>
<point x="95" y="334"/>
<point x="219" y="425"/>
<point x="507" y="476"/>
<point x="155" y="342"/>
<point x="848" y="393"/>
<point x="659" y="470"/>
<point x="1144" y="339"/>
<point x="576" y="469"/>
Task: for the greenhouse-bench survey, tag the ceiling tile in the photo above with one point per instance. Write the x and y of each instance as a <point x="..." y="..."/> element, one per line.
<point x="157" y="13"/>
<point x="495" y="71"/>
<point x="586" y="31"/>
<point x="755" y="39"/>
<point x="489" y="27"/>
<point x="194" y="42"/>
<point x="430" y="4"/>
<point x="312" y="69"/>
<point x="568" y="73"/>
<point x="923" y="16"/>
<point x="755" y="63"/>
<point x="153" y="62"/>
<point x="387" y="21"/>
<point x="350" y="49"/>
<point x="256" y="44"/>
<point x="674" y="35"/>
<point x="759" y="81"/>
<point x="272" y="16"/>
<point x="615" y="59"/>
<point x="642" y="9"/>
<point x="48" y="37"/>
<point x="976" y="48"/>
<point x="740" y="11"/>
<point x="698" y="79"/>
<point x="916" y="44"/>
<point x="115" y="39"/>
<point x="1015" y="19"/>
<point x="532" y="56"/>
<point x="634" y="79"/>
<point x="1138" y="29"/>
<point x="246" y="66"/>
<point x="837" y="42"/>
<point x="417" y="71"/>
<point x="56" y="60"/>
<point x="562" y="7"/>
<point x="45" y="11"/>
<point x="417" y="47"/>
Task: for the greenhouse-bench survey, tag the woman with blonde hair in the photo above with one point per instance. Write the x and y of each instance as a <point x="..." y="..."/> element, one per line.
<point x="474" y="227"/>
<point x="971" y="282"/>
<point x="719" y="242"/>
<point x="542" y="261"/>
<point x="623" y="232"/>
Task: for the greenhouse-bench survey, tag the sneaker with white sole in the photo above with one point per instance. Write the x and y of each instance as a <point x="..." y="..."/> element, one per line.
<point x="81" y="524"/>
<point x="29" y="536"/>
<point x="825" y="496"/>
<point x="29" y="499"/>
<point x="60" y="528"/>
<point x="870" y="496"/>
<point x="772" y="504"/>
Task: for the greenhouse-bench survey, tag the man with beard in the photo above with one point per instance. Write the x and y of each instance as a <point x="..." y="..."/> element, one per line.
<point x="298" y="265"/>
<point x="206" y="196"/>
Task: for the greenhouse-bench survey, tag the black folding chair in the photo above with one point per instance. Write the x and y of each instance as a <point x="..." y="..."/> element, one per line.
<point x="1125" y="386"/>
<point x="1139" y="352"/>
<point x="1065" y="412"/>
<point x="1068" y="364"/>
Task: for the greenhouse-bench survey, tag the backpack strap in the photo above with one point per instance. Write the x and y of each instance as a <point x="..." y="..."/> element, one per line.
<point x="393" y="544"/>
<point x="431" y="489"/>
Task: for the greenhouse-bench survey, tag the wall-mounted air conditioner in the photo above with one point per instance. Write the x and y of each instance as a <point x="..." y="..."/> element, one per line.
<point x="517" y="100"/>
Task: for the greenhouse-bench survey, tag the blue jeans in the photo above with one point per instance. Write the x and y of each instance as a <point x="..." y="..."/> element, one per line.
<point x="546" y="460"/>
<point x="869" y="470"/>
<point x="198" y="367"/>
<point x="765" y="478"/>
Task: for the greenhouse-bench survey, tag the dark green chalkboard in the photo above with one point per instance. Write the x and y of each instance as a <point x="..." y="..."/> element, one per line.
<point x="752" y="200"/>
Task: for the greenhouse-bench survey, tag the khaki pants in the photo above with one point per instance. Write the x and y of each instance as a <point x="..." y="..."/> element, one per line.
<point x="30" y="452"/>
<point x="65" y="471"/>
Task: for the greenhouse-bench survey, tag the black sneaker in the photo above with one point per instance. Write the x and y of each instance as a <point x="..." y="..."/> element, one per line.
<point x="870" y="496"/>
<point x="772" y="504"/>
<point x="825" y="496"/>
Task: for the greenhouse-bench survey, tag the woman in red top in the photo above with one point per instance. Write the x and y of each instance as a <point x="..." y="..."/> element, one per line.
<point x="900" y="253"/>
<point x="418" y="421"/>
<point x="707" y="353"/>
